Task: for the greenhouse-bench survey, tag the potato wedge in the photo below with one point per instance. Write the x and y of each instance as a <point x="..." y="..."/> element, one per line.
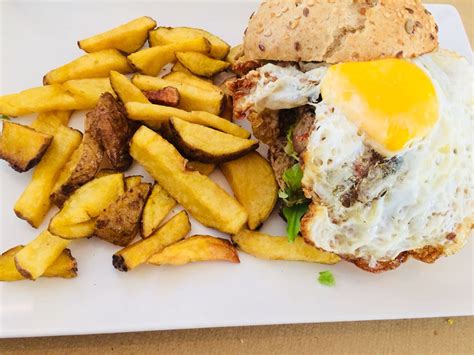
<point x="207" y="145"/>
<point x="139" y="252"/>
<point x="268" y="247"/>
<point x="191" y="79"/>
<point x="157" y="114"/>
<point x="77" y="217"/>
<point x="34" y="203"/>
<point x="203" y="168"/>
<point x="80" y="169"/>
<point x="150" y="61"/>
<point x="157" y="207"/>
<point x="110" y="126"/>
<point x="21" y="146"/>
<point x="39" y="254"/>
<point x="91" y="65"/>
<point x="65" y="266"/>
<point x="253" y="183"/>
<point x="49" y="122"/>
<point x="132" y="181"/>
<point x="180" y="68"/>
<point x="167" y="35"/>
<point x="191" y="97"/>
<point x="194" y="249"/>
<point x="198" y="194"/>
<point x="88" y="91"/>
<point x="201" y="64"/>
<point x="235" y="54"/>
<point x="128" y="37"/>
<point x="168" y="96"/>
<point x="125" y="90"/>
<point x="119" y="223"/>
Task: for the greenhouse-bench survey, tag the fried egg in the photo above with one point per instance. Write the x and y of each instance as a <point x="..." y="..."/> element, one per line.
<point x="389" y="160"/>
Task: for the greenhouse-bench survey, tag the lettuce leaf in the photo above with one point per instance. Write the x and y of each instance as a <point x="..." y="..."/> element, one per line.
<point x="293" y="217"/>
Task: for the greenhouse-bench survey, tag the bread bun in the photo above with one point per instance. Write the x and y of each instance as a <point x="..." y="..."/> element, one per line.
<point x="336" y="31"/>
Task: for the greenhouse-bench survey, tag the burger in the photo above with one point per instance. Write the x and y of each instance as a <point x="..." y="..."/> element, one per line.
<point x="369" y="126"/>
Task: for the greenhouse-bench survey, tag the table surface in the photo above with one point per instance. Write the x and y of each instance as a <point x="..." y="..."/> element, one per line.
<point x="427" y="336"/>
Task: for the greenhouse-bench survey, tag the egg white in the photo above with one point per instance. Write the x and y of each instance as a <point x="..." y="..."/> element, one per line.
<point x="418" y="205"/>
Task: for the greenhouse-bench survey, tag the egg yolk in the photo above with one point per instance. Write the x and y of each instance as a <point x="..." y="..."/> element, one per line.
<point x="392" y="100"/>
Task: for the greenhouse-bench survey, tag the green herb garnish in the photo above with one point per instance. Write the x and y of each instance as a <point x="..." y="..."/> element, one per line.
<point x="293" y="176"/>
<point x="293" y="217"/>
<point x="326" y="278"/>
<point x="4" y="117"/>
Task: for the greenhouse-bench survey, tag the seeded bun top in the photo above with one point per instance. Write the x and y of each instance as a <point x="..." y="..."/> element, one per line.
<point x="339" y="31"/>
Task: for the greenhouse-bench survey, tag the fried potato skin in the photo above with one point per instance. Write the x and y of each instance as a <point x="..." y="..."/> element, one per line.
<point x="21" y="146"/>
<point x="119" y="223"/>
<point x="268" y="247"/>
<point x="76" y="219"/>
<point x="34" y="203"/>
<point x="166" y="35"/>
<point x="150" y="61"/>
<point x="91" y="65"/>
<point x="35" y="258"/>
<point x="112" y="129"/>
<point x="139" y="252"/>
<point x="65" y="266"/>
<point x="254" y="185"/>
<point x="194" y="249"/>
<point x="191" y="97"/>
<point x="158" y="114"/>
<point x="198" y="194"/>
<point x="157" y="207"/>
<point x="128" y="37"/>
<point x="207" y="145"/>
<point x="200" y="64"/>
<point x="203" y="168"/>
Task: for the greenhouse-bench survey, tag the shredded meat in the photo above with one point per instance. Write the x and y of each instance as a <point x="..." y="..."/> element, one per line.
<point x="303" y="128"/>
<point x="242" y="68"/>
<point x="279" y="160"/>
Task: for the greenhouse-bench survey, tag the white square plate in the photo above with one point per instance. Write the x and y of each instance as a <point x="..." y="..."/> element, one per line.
<point x="39" y="35"/>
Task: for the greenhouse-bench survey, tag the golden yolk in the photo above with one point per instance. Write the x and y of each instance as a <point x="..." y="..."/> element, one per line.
<point x="392" y="100"/>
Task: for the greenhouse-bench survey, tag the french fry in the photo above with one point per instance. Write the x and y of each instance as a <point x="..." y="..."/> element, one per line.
<point x="203" y="168"/>
<point x="128" y="37"/>
<point x="150" y="61"/>
<point x="88" y="91"/>
<point x="65" y="266"/>
<point x="253" y="182"/>
<point x="125" y="90"/>
<point x="34" y="203"/>
<point x="132" y="181"/>
<point x="77" y="217"/>
<point x="157" y="207"/>
<point x="235" y="53"/>
<point x="49" y="122"/>
<point x="40" y="99"/>
<point x="194" y="249"/>
<point x="191" y="97"/>
<point x="91" y="65"/>
<point x="267" y="247"/>
<point x="201" y="64"/>
<point x="198" y="194"/>
<point x="80" y="169"/>
<point x="139" y="252"/>
<point x="35" y="258"/>
<point x="167" y="35"/>
<point x="21" y="146"/>
<point x="157" y="114"/>
<point x="205" y="144"/>
<point x="180" y="68"/>
<point x="81" y="94"/>
<point x="191" y="79"/>
<point x="119" y="222"/>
